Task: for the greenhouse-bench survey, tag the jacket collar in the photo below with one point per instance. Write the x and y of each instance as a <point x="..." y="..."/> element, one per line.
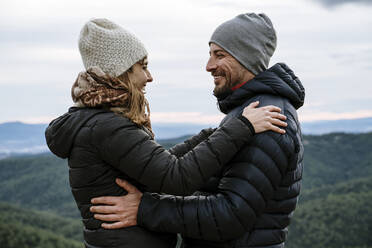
<point x="278" y="80"/>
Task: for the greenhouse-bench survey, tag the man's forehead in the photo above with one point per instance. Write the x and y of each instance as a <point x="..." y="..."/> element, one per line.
<point x="213" y="47"/>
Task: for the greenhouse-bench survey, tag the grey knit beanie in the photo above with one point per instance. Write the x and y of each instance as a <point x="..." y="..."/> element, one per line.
<point x="249" y="38"/>
<point x="104" y="44"/>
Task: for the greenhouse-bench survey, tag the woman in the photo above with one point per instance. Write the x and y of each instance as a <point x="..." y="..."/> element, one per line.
<point x="107" y="134"/>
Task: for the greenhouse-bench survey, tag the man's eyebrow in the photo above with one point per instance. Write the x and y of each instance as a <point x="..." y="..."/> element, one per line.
<point x="218" y="50"/>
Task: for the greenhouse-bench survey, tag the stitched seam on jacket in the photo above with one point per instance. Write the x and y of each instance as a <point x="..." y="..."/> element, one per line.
<point x="131" y="149"/>
<point x="147" y="163"/>
<point x="264" y="246"/>
<point x="183" y="216"/>
<point x="189" y="147"/>
<point x="284" y="199"/>
<point x="230" y="137"/>
<point x="91" y="130"/>
<point x="271" y="160"/>
<point x="233" y="207"/>
<point x="282" y="151"/>
<point x="165" y="174"/>
<point x="214" y="152"/>
<point x="263" y="173"/>
<point x="215" y="218"/>
<point x="246" y="180"/>
<point x="198" y="164"/>
<point x="102" y="151"/>
<point x="240" y="196"/>
<point x="197" y="217"/>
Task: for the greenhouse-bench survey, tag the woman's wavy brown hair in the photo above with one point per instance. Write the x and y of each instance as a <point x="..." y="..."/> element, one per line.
<point x="94" y="88"/>
<point x="137" y="108"/>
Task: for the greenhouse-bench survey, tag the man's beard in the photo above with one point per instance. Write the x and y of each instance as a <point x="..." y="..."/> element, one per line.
<point x="222" y="92"/>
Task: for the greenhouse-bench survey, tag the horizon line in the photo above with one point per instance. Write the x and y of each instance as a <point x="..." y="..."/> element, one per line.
<point x="190" y="122"/>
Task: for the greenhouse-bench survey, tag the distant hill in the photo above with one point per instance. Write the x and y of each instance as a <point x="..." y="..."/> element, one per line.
<point x="20" y="138"/>
<point x="17" y="137"/>
<point x="334" y="219"/>
<point x="334" y="208"/>
<point x="336" y="157"/>
<point x="21" y="228"/>
<point x="329" y="159"/>
<point x="39" y="182"/>
<point x="362" y="125"/>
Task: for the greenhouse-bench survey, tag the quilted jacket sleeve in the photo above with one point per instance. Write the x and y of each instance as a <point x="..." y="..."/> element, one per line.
<point x="182" y="148"/>
<point x="244" y="191"/>
<point x="131" y="150"/>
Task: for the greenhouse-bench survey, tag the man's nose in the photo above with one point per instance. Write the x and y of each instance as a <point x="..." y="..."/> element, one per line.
<point x="211" y="65"/>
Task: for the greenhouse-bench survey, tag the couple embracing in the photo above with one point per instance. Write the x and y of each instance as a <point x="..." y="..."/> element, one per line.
<point x="232" y="186"/>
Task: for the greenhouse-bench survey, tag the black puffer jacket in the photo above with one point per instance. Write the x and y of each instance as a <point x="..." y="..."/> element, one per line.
<point x="101" y="146"/>
<point x="252" y="201"/>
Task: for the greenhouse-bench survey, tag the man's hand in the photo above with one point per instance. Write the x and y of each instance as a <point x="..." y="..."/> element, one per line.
<point x="265" y="118"/>
<point x="122" y="210"/>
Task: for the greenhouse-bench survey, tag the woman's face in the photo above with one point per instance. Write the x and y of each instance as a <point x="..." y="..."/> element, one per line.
<point x="140" y="75"/>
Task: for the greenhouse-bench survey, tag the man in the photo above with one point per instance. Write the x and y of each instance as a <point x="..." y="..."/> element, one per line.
<point x="251" y="202"/>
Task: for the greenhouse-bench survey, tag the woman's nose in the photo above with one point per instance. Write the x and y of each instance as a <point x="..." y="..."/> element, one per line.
<point x="149" y="77"/>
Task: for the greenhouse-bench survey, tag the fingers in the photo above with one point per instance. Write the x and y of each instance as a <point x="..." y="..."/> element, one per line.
<point x="115" y="225"/>
<point x="107" y="217"/>
<point x="277" y="115"/>
<point x="108" y="200"/>
<point x="278" y="118"/>
<point x="272" y="108"/>
<point x="126" y="185"/>
<point x="277" y="129"/>
<point x="103" y="209"/>
<point x="274" y="112"/>
<point x="277" y="122"/>
<point x="253" y="104"/>
<point x="119" y="224"/>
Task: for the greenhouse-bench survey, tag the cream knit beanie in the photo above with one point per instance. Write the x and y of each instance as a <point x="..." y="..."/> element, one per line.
<point x="104" y="44"/>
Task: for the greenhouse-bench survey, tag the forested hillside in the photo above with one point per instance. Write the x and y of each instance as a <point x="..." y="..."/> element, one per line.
<point x="339" y="215"/>
<point x="335" y="207"/>
<point x="29" y="229"/>
<point x="39" y="182"/>
<point x="336" y="157"/>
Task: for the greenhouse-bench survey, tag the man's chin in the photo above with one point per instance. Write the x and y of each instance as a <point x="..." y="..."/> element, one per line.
<point x="221" y="92"/>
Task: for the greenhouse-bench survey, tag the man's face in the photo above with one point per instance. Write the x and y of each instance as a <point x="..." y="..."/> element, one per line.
<point x="225" y="69"/>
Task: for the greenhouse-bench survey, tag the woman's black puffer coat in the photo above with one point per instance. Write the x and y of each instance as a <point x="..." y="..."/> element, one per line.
<point x="101" y="146"/>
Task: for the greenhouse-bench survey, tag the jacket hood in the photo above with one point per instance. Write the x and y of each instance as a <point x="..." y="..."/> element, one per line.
<point x="278" y="80"/>
<point x="61" y="132"/>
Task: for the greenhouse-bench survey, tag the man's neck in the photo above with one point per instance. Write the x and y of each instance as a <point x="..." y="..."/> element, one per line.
<point x="248" y="77"/>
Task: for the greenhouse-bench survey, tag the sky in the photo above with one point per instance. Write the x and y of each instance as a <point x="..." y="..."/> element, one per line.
<point x="327" y="43"/>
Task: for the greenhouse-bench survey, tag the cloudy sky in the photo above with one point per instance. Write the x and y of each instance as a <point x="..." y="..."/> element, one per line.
<point x="327" y="43"/>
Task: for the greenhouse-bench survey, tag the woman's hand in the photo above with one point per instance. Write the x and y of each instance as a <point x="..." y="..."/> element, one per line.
<point x="265" y="118"/>
<point x="121" y="210"/>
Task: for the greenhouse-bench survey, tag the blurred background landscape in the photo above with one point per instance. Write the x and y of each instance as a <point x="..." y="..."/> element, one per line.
<point x="335" y="206"/>
<point x="327" y="43"/>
